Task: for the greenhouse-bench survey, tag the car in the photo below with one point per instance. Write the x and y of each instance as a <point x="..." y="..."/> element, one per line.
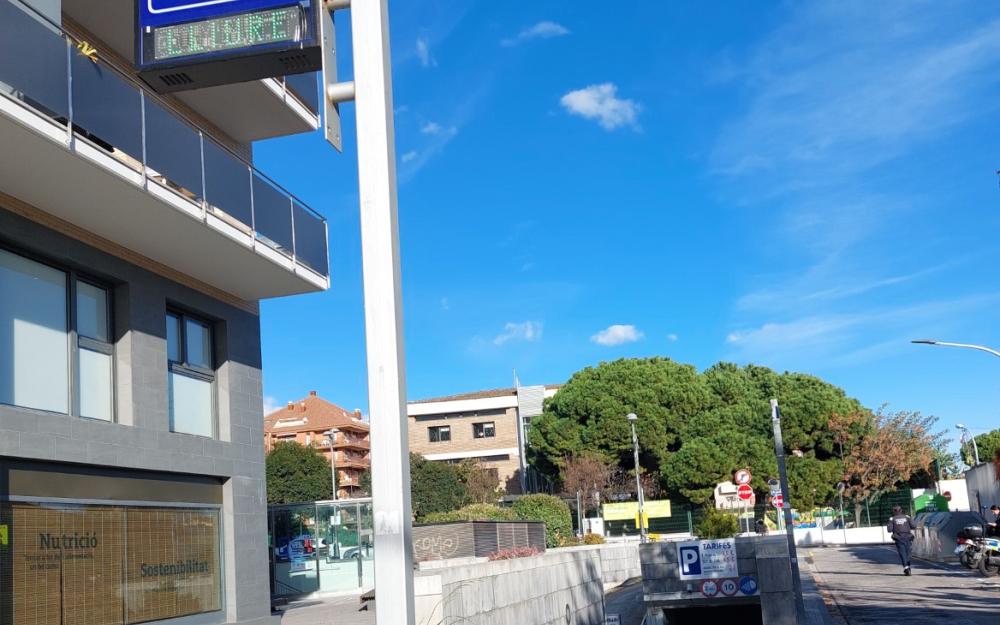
<point x="302" y="546"/>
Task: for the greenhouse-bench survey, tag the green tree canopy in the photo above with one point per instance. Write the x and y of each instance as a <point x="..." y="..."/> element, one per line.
<point x="297" y="474"/>
<point x="987" y="443"/>
<point x="436" y="486"/>
<point x="695" y="429"/>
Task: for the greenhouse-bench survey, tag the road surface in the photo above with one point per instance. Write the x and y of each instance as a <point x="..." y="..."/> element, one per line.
<point x="864" y="585"/>
<point x="626" y="601"/>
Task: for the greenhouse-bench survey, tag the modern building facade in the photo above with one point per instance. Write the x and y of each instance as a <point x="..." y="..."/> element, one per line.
<point x="488" y="427"/>
<point x="309" y="422"/>
<point x="136" y="240"/>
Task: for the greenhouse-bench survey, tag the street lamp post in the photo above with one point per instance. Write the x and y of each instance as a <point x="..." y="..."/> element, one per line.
<point x="981" y="348"/>
<point x="632" y="418"/>
<point x="975" y="448"/>
<point x="332" y="435"/>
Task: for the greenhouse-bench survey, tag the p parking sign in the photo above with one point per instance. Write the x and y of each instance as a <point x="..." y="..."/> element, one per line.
<point x="707" y="559"/>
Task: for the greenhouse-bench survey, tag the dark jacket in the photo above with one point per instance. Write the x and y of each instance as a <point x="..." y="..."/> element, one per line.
<point x="901" y="527"/>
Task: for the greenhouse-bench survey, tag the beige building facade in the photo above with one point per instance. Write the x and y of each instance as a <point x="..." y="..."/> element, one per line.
<point x="487" y="427"/>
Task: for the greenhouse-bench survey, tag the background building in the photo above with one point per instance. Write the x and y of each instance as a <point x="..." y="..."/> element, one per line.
<point x="306" y="422"/>
<point x="136" y="240"/>
<point x="486" y="426"/>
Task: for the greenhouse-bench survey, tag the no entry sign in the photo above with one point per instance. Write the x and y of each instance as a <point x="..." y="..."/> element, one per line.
<point x="778" y="501"/>
<point x="744" y="492"/>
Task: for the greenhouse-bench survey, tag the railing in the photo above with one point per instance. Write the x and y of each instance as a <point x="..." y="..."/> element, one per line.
<point x="42" y="68"/>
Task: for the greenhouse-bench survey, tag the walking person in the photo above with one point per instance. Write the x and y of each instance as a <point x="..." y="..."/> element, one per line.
<point x="901" y="527"/>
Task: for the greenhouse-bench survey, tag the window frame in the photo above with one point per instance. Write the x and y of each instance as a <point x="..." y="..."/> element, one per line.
<point x="73" y="339"/>
<point x="438" y="429"/>
<point x="479" y="430"/>
<point x="79" y="341"/>
<point x="196" y="372"/>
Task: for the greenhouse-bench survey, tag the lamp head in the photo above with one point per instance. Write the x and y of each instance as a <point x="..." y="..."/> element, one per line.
<point x="331" y="432"/>
<point x="631" y="416"/>
<point x="960" y="426"/>
<point x="924" y="342"/>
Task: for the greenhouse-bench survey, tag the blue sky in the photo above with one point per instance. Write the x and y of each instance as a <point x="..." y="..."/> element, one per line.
<point x="806" y="187"/>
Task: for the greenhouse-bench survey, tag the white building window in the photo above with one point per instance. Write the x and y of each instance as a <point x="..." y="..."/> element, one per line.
<point x="484" y="430"/>
<point x="41" y="309"/>
<point x="191" y="375"/>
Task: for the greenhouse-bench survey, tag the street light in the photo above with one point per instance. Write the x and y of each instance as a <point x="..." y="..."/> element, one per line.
<point x="965" y="345"/>
<point x="975" y="448"/>
<point x="332" y="435"/>
<point x="981" y="348"/>
<point x="632" y="418"/>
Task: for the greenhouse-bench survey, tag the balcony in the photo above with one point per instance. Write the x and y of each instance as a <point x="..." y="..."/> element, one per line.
<point x="247" y="111"/>
<point x="88" y="145"/>
<point x="344" y="442"/>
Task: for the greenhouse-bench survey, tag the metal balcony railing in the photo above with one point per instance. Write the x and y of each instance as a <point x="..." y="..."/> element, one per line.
<point x="43" y="67"/>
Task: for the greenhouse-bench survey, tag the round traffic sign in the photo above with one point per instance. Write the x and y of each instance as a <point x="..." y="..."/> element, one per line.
<point x="743" y="476"/>
<point x="729" y="587"/>
<point x="709" y="588"/>
<point x="748" y="585"/>
<point x="778" y="501"/>
<point x="744" y="492"/>
<point x="947" y="495"/>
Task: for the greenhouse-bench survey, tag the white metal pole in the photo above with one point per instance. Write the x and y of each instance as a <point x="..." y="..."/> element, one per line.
<point x="638" y="483"/>
<point x="383" y="313"/>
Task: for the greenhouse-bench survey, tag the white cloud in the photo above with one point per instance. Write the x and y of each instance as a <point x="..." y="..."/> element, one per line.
<point x="434" y="128"/>
<point x="524" y="331"/>
<point x="617" y="335"/>
<point x="672" y="338"/>
<point x="424" y="53"/>
<point x="445" y="305"/>
<point x="601" y="103"/>
<point x="409" y="156"/>
<point x="271" y="404"/>
<point x="542" y="30"/>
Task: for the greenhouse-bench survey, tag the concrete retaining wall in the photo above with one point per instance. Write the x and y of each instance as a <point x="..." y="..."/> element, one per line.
<point x="818" y="536"/>
<point x="540" y="590"/>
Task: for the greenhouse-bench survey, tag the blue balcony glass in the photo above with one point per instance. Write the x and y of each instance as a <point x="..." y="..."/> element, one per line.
<point x="42" y="69"/>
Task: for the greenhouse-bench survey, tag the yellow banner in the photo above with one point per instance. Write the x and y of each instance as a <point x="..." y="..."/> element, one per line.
<point x="629" y="510"/>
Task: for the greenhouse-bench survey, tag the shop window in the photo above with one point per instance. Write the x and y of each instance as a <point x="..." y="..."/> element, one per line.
<point x="110" y="565"/>
<point x="484" y="430"/>
<point x="439" y="433"/>
<point x="191" y="375"/>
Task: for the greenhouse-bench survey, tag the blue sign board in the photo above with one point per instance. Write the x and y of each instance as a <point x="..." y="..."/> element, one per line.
<point x="187" y="44"/>
<point x="748" y="585"/>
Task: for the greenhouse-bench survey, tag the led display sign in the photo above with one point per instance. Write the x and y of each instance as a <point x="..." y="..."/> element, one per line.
<point x="188" y="44"/>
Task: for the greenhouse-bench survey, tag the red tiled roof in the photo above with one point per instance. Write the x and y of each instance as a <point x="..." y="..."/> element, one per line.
<point x="497" y="392"/>
<point x="318" y="414"/>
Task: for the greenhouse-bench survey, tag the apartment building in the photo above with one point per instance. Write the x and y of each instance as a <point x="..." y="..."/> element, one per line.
<point x="136" y="241"/>
<point x="488" y="427"/>
<point x="312" y="422"/>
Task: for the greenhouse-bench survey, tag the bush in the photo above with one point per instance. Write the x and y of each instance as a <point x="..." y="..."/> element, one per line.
<point x="435" y="487"/>
<point x="717" y="524"/>
<point x="551" y="510"/>
<point x="593" y="539"/>
<point x="516" y="552"/>
<point x="472" y="512"/>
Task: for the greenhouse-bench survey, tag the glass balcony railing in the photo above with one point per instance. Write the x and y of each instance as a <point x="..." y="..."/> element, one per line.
<point x="44" y="68"/>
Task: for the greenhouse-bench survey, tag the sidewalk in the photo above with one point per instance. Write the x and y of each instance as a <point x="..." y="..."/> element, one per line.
<point x="332" y="611"/>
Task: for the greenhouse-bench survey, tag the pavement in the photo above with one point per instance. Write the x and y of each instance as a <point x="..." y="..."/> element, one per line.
<point x="864" y="585"/>
<point x="327" y="611"/>
<point x="626" y="601"/>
